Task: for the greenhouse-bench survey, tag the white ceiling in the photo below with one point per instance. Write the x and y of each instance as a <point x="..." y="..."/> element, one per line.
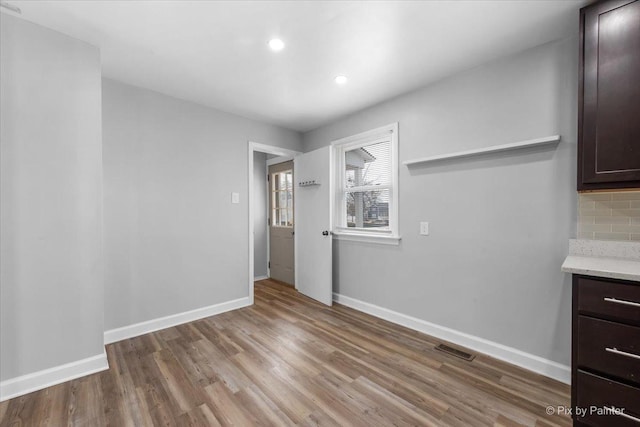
<point x="215" y="52"/>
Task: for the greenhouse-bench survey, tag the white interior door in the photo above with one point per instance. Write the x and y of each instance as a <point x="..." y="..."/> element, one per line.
<point x="313" y="213"/>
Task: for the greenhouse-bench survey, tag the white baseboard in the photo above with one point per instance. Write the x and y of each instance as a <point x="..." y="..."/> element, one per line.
<point x="49" y="377"/>
<point x="255" y="279"/>
<point x="511" y="355"/>
<point x="153" y="325"/>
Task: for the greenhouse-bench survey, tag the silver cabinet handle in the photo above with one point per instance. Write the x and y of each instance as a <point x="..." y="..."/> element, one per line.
<point x="622" y="353"/>
<point x="622" y="414"/>
<point x="621" y="301"/>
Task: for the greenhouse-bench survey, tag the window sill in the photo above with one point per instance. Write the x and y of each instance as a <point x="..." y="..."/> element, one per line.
<point x="367" y="238"/>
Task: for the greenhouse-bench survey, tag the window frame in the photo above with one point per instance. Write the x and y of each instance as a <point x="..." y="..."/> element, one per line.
<point x="340" y="147"/>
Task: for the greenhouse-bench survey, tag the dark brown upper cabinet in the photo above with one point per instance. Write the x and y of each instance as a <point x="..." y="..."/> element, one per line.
<point x="609" y="104"/>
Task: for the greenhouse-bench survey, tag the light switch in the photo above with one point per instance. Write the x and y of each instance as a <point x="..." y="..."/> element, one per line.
<point x="424" y="228"/>
<point x="235" y="197"/>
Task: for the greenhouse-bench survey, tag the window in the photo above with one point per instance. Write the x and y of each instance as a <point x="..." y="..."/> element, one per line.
<point x="367" y="186"/>
<point x="282" y="198"/>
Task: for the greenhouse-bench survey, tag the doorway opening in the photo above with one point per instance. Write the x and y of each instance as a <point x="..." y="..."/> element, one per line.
<point x="271" y="226"/>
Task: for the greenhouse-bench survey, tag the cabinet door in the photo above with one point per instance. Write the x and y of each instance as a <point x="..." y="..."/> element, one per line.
<point x="609" y="117"/>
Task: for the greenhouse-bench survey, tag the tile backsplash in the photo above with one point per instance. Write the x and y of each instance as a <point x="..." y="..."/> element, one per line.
<point x="609" y="216"/>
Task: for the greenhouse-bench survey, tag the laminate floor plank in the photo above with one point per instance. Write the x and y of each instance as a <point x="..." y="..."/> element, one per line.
<point x="291" y="361"/>
<point x="263" y="408"/>
<point x="201" y="416"/>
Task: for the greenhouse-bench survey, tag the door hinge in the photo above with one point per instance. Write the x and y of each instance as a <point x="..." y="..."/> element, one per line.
<point x="268" y="177"/>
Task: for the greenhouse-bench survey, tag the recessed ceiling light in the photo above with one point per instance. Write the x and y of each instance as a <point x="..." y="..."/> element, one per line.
<point x="341" y="80"/>
<point x="276" y="44"/>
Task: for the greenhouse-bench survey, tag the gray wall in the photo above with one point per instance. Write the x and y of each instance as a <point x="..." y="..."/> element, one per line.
<point x="51" y="299"/>
<point x="499" y="225"/>
<point x="173" y="240"/>
<point x="260" y="214"/>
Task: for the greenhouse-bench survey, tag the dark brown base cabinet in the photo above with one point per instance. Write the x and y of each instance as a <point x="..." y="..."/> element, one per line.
<point x="605" y="371"/>
<point x="609" y="96"/>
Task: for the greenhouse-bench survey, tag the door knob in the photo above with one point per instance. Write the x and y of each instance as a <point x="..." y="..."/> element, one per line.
<point x="325" y="233"/>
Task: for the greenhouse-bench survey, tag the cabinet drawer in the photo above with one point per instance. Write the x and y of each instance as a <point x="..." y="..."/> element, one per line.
<point x="613" y="300"/>
<point x="599" y="392"/>
<point x="610" y="348"/>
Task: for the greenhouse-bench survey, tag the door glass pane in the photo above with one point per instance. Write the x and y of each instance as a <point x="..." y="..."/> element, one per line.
<point x="289" y="207"/>
<point x="368" y="209"/>
<point x="289" y="179"/>
<point x="282" y="199"/>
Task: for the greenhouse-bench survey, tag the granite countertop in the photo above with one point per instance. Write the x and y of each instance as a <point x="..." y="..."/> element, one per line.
<point x="601" y="258"/>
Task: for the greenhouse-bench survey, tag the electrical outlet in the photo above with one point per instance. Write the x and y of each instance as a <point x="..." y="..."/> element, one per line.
<point x="235" y="198"/>
<point x="424" y="228"/>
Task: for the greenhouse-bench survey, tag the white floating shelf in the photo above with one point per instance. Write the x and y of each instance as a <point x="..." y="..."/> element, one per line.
<point x="486" y="150"/>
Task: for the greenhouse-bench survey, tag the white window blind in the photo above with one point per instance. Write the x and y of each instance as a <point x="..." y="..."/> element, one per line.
<point x="368" y="185"/>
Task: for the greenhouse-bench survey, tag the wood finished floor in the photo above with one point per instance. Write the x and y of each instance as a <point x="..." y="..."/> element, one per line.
<point x="290" y="361"/>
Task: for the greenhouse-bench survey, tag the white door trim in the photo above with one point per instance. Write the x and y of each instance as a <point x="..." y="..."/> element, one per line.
<point x="269" y="149"/>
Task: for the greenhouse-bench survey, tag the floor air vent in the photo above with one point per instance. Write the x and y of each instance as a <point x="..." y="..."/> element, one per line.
<point x="455" y="352"/>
